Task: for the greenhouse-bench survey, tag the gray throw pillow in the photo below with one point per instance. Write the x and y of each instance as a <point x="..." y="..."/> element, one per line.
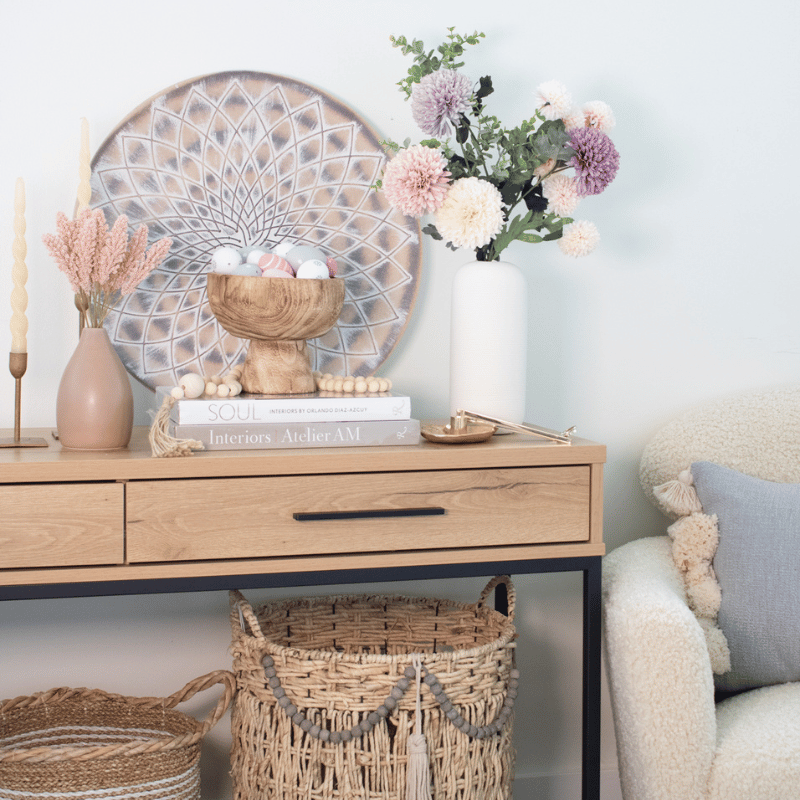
<point x="757" y="564"/>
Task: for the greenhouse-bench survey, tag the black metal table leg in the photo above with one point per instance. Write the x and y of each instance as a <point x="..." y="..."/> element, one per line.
<point x="592" y="586"/>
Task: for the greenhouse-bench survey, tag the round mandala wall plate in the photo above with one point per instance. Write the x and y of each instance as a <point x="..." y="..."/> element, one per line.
<point x="243" y="159"/>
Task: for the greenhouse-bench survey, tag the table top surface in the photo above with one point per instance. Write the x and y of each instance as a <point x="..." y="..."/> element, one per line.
<point x="54" y="463"/>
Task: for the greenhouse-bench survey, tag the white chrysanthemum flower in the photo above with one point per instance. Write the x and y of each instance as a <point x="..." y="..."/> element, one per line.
<point x="471" y="215"/>
<point x="561" y="193"/>
<point x="555" y="101"/>
<point x="575" y="118"/>
<point x="579" y="238"/>
<point x="598" y="114"/>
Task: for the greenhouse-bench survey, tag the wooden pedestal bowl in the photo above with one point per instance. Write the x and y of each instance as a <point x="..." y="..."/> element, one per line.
<point x="277" y="315"/>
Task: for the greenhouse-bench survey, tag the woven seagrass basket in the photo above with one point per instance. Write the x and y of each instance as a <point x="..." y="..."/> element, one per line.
<point x="329" y="692"/>
<point x="87" y="744"/>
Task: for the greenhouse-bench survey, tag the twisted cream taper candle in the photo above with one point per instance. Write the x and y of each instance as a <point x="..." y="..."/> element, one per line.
<point x="19" y="275"/>
<point x="84" y="169"/>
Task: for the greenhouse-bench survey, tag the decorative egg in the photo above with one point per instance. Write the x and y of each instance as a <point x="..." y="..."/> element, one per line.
<point x="247" y="269"/>
<point x="313" y="269"/>
<point x="282" y="248"/>
<point x="225" y="260"/>
<point x="272" y="261"/>
<point x="276" y="273"/>
<point x="304" y="252"/>
<point x="255" y="254"/>
<point x="333" y="267"/>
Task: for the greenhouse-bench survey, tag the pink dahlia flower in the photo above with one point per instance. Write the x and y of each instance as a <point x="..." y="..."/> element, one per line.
<point x="596" y="160"/>
<point x="415" y="181"/>
<point x="439" y="100"/>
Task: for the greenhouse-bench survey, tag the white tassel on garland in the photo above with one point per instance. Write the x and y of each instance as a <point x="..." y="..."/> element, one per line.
<point x="418" y="774"/>
<point x="164" y="445"/>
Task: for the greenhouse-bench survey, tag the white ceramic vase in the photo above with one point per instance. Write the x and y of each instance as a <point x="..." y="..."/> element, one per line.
<point x="489" y="340"/>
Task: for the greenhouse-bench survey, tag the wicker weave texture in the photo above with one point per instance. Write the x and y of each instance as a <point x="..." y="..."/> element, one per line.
<point x="338" y="658"/>
<point x="87" y="744"/>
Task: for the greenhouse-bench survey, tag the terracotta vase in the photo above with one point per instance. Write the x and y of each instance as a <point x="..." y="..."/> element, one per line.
<point x="489" y="340"/>
<point x="94" y="408"/>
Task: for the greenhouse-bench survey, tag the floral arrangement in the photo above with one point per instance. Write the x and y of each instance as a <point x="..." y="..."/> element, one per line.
<point x="102" y="265"/>
<point x="475" y="173"/>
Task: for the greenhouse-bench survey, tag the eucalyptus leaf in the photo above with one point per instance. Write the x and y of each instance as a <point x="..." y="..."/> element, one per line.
<point x="430" y="230"/>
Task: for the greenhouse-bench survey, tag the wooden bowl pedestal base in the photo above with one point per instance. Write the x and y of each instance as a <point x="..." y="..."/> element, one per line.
<point x="277" y="367"/>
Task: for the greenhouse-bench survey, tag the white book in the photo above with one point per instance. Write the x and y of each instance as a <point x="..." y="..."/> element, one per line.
<point x="251" y="409"/>
<point x="276" y="436"/>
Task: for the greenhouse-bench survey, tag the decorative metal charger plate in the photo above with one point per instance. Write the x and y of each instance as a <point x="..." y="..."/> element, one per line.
<point x="241" y="159"/>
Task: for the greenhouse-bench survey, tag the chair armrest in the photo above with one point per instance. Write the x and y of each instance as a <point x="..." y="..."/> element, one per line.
<point x="659" y="673"/>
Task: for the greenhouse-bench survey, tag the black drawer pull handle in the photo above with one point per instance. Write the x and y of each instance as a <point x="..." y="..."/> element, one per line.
<point x="380" y="513"/>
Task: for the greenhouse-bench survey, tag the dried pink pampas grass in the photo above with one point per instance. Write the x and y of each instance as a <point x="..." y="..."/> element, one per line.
<point x="102" y="265"/>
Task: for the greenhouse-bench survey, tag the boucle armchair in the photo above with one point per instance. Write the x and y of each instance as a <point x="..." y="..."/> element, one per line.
<point x="674" y="635"/>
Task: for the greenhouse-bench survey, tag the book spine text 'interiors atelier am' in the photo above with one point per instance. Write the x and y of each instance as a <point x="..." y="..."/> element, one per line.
<point x="271" y="436"/>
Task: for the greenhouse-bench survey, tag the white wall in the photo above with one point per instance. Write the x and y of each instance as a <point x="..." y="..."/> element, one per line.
<point x="692" y="293"/>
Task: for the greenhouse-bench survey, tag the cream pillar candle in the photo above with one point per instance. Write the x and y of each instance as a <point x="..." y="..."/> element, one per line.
<point x="84" y="169"/>
<point x="19" y="275"/>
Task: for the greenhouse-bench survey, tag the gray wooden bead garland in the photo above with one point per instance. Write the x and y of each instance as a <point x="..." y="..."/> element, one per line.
<point x="389" y="704"/>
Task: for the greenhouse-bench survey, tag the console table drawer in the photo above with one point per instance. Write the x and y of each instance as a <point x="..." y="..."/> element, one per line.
<point x="185" y="520"/>
<point x="59" y="525"/>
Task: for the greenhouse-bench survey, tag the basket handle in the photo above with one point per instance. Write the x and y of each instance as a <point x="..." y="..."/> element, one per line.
<point x="512" y="593"/>
<point x="241" y="612"/>
<point x="226" y="678"/>
<point x="134" y="746"/>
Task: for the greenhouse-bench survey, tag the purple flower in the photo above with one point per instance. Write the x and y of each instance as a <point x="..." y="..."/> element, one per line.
<point x="596" y="160"/>
<point x="440" y="99"/>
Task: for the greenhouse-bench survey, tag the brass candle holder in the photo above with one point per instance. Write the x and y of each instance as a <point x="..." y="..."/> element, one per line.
<point x="468" y="427"/>
<point x="17" y="365"/>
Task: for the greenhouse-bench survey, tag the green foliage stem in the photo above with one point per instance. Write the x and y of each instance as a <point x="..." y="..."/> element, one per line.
<point x="425" y="63"/>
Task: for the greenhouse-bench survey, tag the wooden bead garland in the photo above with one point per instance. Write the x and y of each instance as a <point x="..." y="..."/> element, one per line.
<point x="389" y="704"/>
<point x="190" y="386"/>
<point x="193" y="385"/>
<point x="350" y="384"/>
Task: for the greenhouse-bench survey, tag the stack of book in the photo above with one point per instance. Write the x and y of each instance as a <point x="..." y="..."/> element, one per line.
<point x="259" y="422"/>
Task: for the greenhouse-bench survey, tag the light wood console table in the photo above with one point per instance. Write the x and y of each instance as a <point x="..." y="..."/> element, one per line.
<point x="91" y="523"/>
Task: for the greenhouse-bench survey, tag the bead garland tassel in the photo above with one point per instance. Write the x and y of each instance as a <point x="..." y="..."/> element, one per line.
<point x="418" y="775"/>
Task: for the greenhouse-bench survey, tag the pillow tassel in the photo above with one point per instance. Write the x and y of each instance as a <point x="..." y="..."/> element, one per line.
<point x="679" y="496"/>
<point x="418" y="776"/>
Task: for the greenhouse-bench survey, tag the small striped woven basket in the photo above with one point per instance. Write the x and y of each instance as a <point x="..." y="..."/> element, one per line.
<point x="87" y="744"/>
<point x="327" y="705"/>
